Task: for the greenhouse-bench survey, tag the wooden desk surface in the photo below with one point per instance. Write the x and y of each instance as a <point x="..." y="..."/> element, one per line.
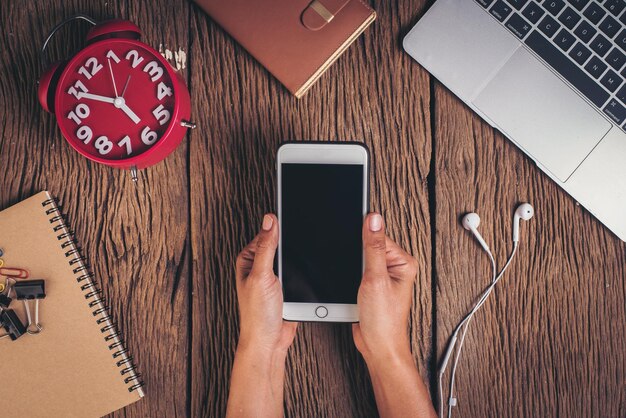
<point x="550" y="343"/>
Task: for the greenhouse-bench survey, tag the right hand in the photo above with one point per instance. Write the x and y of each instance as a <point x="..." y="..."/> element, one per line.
<point x="384" y="297"/>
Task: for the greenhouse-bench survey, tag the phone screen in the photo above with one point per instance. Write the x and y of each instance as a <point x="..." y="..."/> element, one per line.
<point x="322" y="215"/>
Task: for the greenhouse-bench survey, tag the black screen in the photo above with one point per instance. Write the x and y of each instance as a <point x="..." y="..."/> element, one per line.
<point x="322" y="214"/>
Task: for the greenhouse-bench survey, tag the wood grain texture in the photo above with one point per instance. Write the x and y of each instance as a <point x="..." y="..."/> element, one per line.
<point x="551" y="340"/>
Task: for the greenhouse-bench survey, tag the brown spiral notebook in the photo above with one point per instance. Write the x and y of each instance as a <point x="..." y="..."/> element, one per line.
<point x="78" y="365"/>
<point x="296" y="40"/>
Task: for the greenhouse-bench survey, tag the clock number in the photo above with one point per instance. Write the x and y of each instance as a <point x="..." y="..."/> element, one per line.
<point x="148" y="137"/>
<point x="111" y="55"/>
<point x="126" y="142"/>
<point x="79" y="113"/>
<point x="153" y="69"/>
<point x="74" y="90"/>
<point x="163" y="90"/>
<point x="161" y="114"/>
<point x="84" y="133"/>
<point x="103" y="145"/>
<point x="95" y="67"/>
<point x="134" y="56"/>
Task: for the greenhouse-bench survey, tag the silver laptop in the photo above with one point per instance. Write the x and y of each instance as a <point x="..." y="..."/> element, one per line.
<point x="549" y="75"/>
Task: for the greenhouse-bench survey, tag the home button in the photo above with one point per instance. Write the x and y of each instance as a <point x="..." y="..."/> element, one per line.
<point x="321" y="312"/>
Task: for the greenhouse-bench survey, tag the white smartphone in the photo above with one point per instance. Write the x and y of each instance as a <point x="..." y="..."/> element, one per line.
<point x="323" y="195"/>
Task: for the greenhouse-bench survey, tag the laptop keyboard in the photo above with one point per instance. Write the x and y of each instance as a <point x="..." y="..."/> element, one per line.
<point x="582" y="40"/>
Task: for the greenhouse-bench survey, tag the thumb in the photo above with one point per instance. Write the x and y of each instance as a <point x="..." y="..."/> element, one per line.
<point x="267" y="241"/>
<point x="374" y="246"/>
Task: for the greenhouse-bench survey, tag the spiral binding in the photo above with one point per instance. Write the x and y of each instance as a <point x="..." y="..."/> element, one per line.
<point x="97" y="303"/>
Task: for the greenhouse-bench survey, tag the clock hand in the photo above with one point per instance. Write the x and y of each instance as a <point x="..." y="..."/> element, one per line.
<point x="117" y="102"/>
<point x="125" y="85"/>
<point x="96" y="97"/>
<point x="112" y="77"/>
<point x="121" y="104"/>
<point x="130" y="114"/>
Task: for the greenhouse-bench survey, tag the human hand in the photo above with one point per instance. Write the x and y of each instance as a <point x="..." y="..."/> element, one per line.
<point x="260" y="294"/>
<point x="384" y="297"/>
<point x="257" y="380"/>
<point x="382" y="335"/>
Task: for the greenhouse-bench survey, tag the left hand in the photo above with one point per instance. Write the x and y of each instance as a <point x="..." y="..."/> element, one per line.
<point x="260" y="294"/>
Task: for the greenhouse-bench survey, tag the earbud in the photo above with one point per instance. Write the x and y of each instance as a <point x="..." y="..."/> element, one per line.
<point x="524" y="211"/>
<point x="471" y="222"/>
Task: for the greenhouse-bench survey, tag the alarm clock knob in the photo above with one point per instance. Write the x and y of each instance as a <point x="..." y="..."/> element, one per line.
<point x="48" y="85"/>
<point x="114" y="28"/>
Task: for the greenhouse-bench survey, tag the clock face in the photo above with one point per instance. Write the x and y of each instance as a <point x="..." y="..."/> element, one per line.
<point x="115" y="100"/>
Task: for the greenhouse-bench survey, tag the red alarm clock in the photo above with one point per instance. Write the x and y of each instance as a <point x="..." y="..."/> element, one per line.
<point x="118" y="101"/>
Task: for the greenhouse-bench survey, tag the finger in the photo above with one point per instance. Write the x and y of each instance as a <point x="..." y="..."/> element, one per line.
<point x="400" y="264"/>
<point x="374" y="246"/>
<point x="245" y="259"/>
<point x="288" y="334"/>
<point x="266" y="244"/>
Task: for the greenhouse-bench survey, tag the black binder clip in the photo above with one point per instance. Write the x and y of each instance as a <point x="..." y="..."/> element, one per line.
<point x="26" y="291"/>
<point x="5" y="299"/>
<point x="11" y="324"/>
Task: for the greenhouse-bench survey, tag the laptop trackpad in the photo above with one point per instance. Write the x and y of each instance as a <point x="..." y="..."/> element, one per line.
<point x="542" y="114"/>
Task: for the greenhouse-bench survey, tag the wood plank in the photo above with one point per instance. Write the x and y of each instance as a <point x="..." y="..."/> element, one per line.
<point x="246" y="114"/>
<point x="550" y="340"/>
<point x="134" y="236"/>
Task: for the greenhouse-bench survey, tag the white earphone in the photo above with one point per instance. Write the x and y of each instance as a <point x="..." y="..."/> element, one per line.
<point x="471" y="221"/>
<point x="524" y="211"/>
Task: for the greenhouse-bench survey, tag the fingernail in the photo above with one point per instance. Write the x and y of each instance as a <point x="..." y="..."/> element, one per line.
<point x="267" y="222"/>
<point x="376" y="222"/>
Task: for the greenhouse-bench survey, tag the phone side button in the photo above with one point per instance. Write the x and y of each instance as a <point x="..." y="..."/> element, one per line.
<point x="321" y="312"/>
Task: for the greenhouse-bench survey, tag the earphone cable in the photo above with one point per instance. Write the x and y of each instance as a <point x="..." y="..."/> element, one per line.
<point x="465" y="325"/>
<point x="466" y="321"/>
<point x="452" y="344"/>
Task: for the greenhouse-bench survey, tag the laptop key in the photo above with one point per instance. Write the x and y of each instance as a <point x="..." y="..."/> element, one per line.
<point x="485" y="3"/>
<point x="578" y="4"/>
<point x="554" y="6"/>
<point x="585" y="31"/>
<point x="594" y="13"/>
<point x="533" y="12"/>
<point x="621" y="94"/>
<point x="622" y="18"/>
<point x="518" y="4"/>
<point x="569" y="18"/>
<point x="616" y="59"/>
<point x="611" y="81"/>
<point x="615" y="6"/>
<point x="621" y="39"/>
<point x="609" y="26"/>
<point x="615" y="111"/>
<point x="518" y="26"/>
<point x="548" y="26"/>
<point x="579" y="53"/>
<point x="595" y="67"/>
<point x="568" y="70"/>
<point x="501" y="10"/>
<point x="600" y="45"/>
<point x="564" y="40"/>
